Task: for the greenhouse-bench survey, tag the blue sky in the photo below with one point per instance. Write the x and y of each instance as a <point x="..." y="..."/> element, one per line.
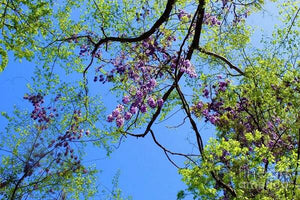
<point x="146" y="174"/>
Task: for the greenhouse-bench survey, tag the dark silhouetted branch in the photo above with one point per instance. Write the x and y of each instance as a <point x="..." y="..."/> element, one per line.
<point x="223" y="59"/>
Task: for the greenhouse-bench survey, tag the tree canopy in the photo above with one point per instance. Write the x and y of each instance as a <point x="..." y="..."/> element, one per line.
<point x="201" y="61"/>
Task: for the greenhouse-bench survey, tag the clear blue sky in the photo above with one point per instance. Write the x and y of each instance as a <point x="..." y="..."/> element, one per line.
<point x="146" y="174"/>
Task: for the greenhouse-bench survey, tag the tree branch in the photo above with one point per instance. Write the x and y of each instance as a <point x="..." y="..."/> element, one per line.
<point x="200" y="143"/>
<point x="170" y="152"/>
<point x="193" y="46"/>
<point x="223" y="59"/>
<point x="163" y="18"/>
<point x="193" y="123"/>
<point x="223" y="185"/>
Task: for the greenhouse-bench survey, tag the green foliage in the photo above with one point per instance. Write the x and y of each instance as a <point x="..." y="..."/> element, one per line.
<point x="246" y="158"/>
<point x="4" y="58"/>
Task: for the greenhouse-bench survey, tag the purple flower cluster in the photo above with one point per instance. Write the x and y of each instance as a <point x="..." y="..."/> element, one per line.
<point x="242" y="119"/>
<point x="137" y="103"/>
<point x="140" y="71"/>
<point x="207" y="111"/>
<point x="151" y="102"/>
<point x="223" y="85"/>
<point x="39" y="113"/>
<point x="64" y="141"/>
<point x="142" y="76"/>
<point x="276" y="141"/>
<point x="183" y="14"/>
<point x="59" y="149"/>
<point x="205" y="92"/>
<point x="126" y="99"/>
<point x="117" y="115"/>
<point x="184" y="66"/>
<point x="170" y="39"/>
<point x="212" y="111"/>
<point x="211" y="20"/>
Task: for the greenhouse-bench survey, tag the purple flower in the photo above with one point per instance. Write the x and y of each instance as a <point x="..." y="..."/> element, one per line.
<point x="151" y="102"/>
<point x="222" y="86"/>
<point x="205" y="112"/>
<point x="270" y="125"/>
<point x="213" y="119"/>
<point x="205" y="93"/>
<point x="127" y="115"/>
<point x="120" y="121"/>
<point x="151" y="83"/>
<point x="206" y="16"/>
<point x="143" y="108"/>
<point x="101" y="78"/>
<point x="145" y="44"/>
<point x="160" y="102"/>
<point x="191" y="72"/>
<point x="115" y="113"/>
<point x="149" y="51"/>
<point x="199" y="105"/>
<point x="248" y="127"/>
<point x="271" y="143"/>
<point x="173" y="65"/>
<point x="126" y="99"/>
<point x="187" y="63"/>
<point x="133" y="110"/>
<point x="143" y="69"/>
<point x="121" y="68"/>
<point x="139" y="94"/>
<point x="110" y="118"/>
<point x="277" y="120"/>
<point x="182" y="69"/>
<point x="120" y="107"/>
<point x="214" y="20"/>
<point x="290" y="147"/>
<point x="181" y="14"/>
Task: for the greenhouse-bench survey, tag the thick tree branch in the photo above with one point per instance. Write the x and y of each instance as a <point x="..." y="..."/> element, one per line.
<point x="163" y="18"/>
<point x="17" y="185"/>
